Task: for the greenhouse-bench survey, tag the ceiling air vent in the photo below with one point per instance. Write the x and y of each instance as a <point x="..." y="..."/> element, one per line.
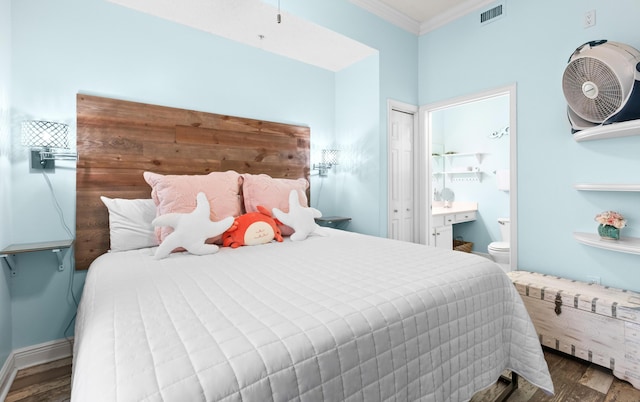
<point x="492" y="14"/>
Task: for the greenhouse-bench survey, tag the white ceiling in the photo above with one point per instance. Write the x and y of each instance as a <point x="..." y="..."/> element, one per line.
<point x="253" y="22"/>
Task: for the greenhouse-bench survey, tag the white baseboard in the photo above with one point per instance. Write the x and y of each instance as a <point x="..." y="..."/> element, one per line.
<point x="32" y="356"/>
<point x="7" y="374"/>
<point x="43" y="353"/>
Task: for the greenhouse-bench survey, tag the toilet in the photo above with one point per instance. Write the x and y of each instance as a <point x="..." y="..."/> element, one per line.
<point x="499" y="250"/>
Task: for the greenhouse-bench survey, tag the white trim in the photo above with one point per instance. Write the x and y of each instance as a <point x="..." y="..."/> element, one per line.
<point x="31" y="356"/>
<point x="389" y="14"/>
<point x="401" y="106"/>
<point x="513" y="175"/>
<point x="407" y="23"/>
<point x="7" y="374"/>
<point x="424" y="116"/>
<point x="459" y="11"/>
<point x="43" y="353"/>
<point x="413" y="110"/>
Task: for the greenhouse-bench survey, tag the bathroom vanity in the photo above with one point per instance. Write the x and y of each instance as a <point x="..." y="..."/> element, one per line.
<point x="444" y="217"/>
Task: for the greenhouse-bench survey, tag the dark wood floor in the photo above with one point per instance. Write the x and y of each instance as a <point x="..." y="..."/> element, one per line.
<point x="49" y="382"/>
<point x="574" y="381"/>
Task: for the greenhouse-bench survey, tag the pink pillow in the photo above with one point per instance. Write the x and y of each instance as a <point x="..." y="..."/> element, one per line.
<point x="177" y="193"/>
<point x="272" y="193"/>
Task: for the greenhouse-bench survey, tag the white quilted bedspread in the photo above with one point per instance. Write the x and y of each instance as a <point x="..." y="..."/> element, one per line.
<point x="342" y="317"/>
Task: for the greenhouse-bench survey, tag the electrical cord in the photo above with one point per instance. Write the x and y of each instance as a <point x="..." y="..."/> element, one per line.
<point x="56" y="204"/>
<point x="319" y="192"/>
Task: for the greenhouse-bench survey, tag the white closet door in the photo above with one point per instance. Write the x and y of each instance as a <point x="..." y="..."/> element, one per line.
<point x="401" y="208"/>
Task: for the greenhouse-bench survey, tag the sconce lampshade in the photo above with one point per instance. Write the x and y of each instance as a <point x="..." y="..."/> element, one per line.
<point x="45" y="134"/>
<point x="330" y="156"/>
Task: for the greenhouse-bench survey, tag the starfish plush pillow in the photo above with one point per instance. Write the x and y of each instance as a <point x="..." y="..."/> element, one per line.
<point x="191" y="230"/>
<point x="299" y="218"/>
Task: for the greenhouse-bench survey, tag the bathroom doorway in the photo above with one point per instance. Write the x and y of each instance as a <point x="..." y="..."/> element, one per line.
<point x="468" y="156"/>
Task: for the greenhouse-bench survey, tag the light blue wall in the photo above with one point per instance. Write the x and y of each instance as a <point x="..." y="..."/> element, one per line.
<point x="398" y="80"/>
<point x="467" y="129"/>
<point x="357" y="177"/>
<point x="463" y="58"/>
<point x="95" y="47"/>
<point x="100" y="48"/>
<point x="5" y="175"/>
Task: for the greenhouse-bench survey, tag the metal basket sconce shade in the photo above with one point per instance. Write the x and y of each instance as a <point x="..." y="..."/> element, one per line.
<point x="329" y="158"/>
<point x="43" y="136"/>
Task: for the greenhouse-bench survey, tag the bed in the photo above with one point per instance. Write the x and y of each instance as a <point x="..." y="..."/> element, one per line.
<point x="336" y="316"/>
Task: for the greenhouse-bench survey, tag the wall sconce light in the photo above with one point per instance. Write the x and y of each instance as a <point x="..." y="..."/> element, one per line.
<point x="46" y="140"/>
<point x="329" y="158"/>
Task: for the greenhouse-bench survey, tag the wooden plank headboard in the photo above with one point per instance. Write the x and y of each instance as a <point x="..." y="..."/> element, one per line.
<point x="119" y="140"/>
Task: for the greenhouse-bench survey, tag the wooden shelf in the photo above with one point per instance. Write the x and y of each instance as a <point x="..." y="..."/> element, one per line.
<point x="39" y="246"/>
<point x="629" y="245"/>
<point x="55" y="246"/>
<point x="614" y="130"/>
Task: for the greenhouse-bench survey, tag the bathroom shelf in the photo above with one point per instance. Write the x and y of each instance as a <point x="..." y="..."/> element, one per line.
<point x="469" y="175"/>
<point x="614" y="130"/>
<point x="458" y="172"/>
<point x="477" y="155"/>
<point x="607" y="187"/>
<point x="629" y="245"/>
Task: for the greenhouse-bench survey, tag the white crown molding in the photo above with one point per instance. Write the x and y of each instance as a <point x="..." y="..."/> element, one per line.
<point x="407" y="23"/>
<point x="31" y="356"/>
<point x="453" y="14"/>
<point x="389" y="14"/>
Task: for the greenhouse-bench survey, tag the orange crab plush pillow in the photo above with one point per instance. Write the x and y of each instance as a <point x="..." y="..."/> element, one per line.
<point x="251" y="229"/>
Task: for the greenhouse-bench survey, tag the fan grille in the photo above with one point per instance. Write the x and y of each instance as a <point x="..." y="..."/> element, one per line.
<point x="609" y="89"/>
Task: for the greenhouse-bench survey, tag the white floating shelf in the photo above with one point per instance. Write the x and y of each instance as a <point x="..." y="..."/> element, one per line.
<point x="607" y="187"/>
<point x="478" y="155"/>
<point x="614" y="130"/>
<point x="629" y="245"/>
<point x="459" y="172"/>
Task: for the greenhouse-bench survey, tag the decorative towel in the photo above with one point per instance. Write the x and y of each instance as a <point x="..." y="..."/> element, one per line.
<point x="502" y="179"/>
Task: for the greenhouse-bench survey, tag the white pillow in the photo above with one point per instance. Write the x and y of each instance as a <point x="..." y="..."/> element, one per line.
<point x="130" y="225"/>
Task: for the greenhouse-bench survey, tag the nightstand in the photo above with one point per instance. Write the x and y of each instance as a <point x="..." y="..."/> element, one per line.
<point x="336" y="222"/>
<point x="57" y="247"/>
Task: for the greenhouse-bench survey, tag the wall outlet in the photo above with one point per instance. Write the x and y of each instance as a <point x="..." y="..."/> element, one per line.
<point x="594" y="280"/>
<point x="589" y="19"/>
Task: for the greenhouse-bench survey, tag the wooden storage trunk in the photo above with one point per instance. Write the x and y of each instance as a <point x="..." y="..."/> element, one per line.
<point x="593" y="322"/>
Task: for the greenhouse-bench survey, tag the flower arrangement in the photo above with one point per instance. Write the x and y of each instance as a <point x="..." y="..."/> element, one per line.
<point x="611" y="218"/>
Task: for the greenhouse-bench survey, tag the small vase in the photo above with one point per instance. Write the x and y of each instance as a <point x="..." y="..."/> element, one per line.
<point x="608" y="232"/>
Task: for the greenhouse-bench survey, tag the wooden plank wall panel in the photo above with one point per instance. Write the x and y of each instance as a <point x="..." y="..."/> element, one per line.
<point x="119" y="140"/>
